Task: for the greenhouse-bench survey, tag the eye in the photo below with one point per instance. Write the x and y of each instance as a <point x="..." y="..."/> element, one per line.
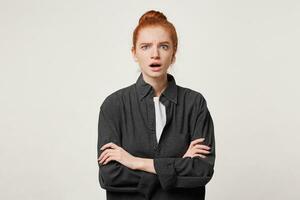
<point x="144" y="47"/>
<point x="165" y="47"/>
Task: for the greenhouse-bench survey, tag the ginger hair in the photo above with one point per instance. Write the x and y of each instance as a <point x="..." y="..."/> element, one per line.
<point x="155" y="18"/>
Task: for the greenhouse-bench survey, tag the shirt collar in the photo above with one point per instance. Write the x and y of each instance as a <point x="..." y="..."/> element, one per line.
<point x="144" y="88"/>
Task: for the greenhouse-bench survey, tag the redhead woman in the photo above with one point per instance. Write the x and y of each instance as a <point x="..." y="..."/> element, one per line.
<point x="155" y="138"/>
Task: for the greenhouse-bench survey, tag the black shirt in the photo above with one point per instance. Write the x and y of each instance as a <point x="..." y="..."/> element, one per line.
<point x="127" y="118"/>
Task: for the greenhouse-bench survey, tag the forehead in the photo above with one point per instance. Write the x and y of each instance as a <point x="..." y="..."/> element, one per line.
<point x="153" y="34"/>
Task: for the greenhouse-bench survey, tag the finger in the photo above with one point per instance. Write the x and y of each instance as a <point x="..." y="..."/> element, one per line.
<point x="185" y="155"/>
<point x="108" y="156"/>
<point x="102" y="154"/>
<point x="110" y="144"/>
<point x="108" y="159"/>
<point x="104" y="158"/>
<point x="201" y="146"/>
<point x="202" y="151"/>
<point x="105" y="153"/>
<point x="196" y="141"/>
<point x="199" y="155"/>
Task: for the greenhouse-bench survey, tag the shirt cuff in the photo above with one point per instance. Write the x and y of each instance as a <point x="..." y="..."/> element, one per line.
<point x="147" y="184"/>
<point x="165" y="170"/>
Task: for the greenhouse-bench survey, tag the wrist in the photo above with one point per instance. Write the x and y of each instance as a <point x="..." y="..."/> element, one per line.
<point x="139" y="163"/>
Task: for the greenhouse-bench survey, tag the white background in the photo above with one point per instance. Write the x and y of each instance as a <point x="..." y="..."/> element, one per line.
<point x="59" y="59"/>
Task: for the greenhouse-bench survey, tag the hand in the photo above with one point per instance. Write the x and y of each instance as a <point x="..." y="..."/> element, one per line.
<point x="114" y="152"/>
<point x="197" y="149"/>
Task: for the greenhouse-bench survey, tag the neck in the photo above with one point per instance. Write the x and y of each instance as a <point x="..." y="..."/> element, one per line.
<point x="159" y="84"/>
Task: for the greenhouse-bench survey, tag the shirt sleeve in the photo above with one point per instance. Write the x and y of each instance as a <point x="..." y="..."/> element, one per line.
<point x="190" y="172"/>
<point x="114" y="176"/>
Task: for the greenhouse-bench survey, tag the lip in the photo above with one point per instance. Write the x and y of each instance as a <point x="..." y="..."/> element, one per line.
<point x="155" y="63"/>
<point x="156" y="69"/>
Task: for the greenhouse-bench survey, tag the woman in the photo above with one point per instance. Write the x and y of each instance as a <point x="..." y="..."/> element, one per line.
<point x="155" y="138"/>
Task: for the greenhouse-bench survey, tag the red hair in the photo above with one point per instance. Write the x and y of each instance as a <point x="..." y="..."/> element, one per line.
<point x="155" y="18"/>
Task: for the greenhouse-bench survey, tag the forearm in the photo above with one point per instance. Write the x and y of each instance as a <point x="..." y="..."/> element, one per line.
<point x="145" y="164"/>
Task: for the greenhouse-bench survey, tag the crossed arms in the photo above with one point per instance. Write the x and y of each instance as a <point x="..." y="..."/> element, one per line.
<point x="120" y="171"/>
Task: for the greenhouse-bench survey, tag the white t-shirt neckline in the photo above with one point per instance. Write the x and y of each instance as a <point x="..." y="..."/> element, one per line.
<point x="160" y="116"/>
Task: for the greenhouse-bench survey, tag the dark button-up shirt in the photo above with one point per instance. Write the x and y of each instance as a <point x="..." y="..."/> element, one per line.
<point x="127" y="118"/>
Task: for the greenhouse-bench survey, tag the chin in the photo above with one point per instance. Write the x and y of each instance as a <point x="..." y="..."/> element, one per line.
<point x="155" y="74"/>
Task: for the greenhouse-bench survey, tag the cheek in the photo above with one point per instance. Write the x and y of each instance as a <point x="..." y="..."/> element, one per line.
<point x="142" y="58"/>
<point x="140" y="62"/>
<point x="167" y="55"/>
<point x="169" y="60"/>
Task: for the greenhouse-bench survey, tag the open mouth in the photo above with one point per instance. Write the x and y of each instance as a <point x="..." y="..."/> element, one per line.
<point x="155" y="65"/>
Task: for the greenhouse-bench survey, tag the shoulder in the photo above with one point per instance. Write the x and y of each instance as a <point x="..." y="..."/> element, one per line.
<point x="111" y="105"/>
<point x="114" y="99"/>
<point x="194" y="97"/>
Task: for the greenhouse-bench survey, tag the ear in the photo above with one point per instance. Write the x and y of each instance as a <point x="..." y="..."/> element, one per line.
<point x="134" y="55"/>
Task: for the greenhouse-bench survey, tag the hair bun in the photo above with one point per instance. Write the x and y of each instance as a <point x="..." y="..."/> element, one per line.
<point x="152" y="15"/>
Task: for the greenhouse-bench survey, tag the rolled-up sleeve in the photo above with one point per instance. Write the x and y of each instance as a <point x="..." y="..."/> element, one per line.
<point x="190" y="172"/>
<point x="114" y="176"/>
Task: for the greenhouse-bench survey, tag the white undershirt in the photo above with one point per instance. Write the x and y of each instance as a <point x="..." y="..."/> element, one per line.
<point x="160" y="116"/>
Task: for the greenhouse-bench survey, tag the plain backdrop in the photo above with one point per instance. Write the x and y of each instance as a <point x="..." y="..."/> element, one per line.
<point x="59" y="59"/>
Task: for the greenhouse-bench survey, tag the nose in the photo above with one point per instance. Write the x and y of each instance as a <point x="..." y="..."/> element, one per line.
<point x="155" y="53"/>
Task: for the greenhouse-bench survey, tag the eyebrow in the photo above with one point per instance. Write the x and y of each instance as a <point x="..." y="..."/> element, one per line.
<point x="164" y="42"/>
